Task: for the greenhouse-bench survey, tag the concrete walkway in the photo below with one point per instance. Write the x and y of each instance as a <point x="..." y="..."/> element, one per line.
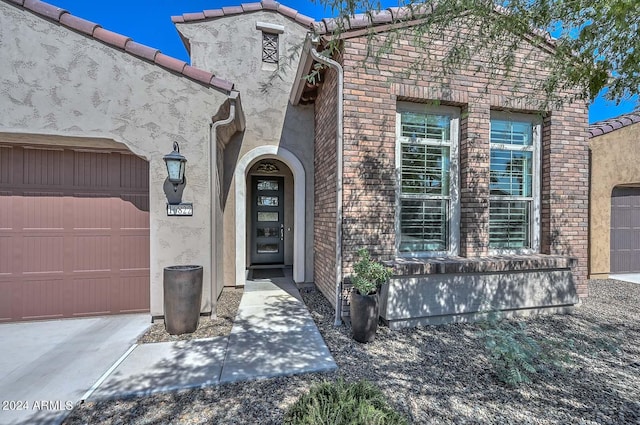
<point x="273" y="335"/>
<point x="626" y="277"/>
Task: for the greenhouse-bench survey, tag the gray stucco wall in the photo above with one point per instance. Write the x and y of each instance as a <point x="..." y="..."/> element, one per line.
<point x="55" y="82"/>
<point x="232" y="48"/>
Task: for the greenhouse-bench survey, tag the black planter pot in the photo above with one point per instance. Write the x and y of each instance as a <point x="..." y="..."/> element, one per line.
<point x="364" y="311"/>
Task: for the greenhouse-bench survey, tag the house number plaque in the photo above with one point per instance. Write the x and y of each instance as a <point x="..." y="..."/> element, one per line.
<point x="183" y="209"/>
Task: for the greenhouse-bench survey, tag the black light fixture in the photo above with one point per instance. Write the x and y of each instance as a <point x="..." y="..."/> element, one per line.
<point x="176" y="164"/>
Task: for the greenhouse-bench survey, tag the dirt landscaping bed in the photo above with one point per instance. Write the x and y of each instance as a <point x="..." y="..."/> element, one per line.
<point x="207" y="327"/>
<point x="439" y="375"/>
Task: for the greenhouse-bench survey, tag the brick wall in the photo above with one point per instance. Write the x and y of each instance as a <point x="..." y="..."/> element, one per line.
<point x="324" y="230"/>
<point x="371" y="94"/>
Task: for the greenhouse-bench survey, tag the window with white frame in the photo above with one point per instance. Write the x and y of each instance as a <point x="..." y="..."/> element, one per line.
<point x="514" y="202"/>
<point x="427" y="162"/>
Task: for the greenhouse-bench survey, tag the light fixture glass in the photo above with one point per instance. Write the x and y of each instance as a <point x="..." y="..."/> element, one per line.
<point x="176" y="164"/>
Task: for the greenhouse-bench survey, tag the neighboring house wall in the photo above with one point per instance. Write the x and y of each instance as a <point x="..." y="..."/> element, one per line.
<point x="372" y="94"/>
<point x="60" y="85"/>
<point x="232" y="46"/>
<point x="613" y="163"/>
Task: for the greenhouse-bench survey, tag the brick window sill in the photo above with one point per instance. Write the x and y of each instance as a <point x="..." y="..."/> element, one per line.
<point x="488" y="264"/>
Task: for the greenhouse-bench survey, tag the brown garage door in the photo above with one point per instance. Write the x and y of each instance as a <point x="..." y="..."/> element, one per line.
<point x="625" y="230"/>
<point x="74" y="233"/>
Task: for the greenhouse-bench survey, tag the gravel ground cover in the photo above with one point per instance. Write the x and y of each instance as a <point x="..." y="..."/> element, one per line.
<point x="207" y="327"/>
<point x="438" y="374"/>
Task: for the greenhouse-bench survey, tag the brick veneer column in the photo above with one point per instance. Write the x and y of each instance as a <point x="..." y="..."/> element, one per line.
<point x="474" y="179"/>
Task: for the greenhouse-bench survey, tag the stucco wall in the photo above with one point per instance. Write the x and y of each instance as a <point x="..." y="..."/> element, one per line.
<point x="613" y="163"/>
<point x="56" y="82"/>
<point x="232" y="47"/>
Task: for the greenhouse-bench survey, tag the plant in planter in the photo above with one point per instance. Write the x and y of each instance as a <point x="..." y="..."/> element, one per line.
<point x="367" y="278"/>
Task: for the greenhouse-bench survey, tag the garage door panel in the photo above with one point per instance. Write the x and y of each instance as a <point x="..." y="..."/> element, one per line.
<point x="92" y="295"/>
<point x="92" y="211"/>
<point x="7" y="300"/>
<point x="6" y="215"/>
<point x="6" y="259"/>
<point x="625" y="230"/>
<point x="42" y="253"/>
<point x="6" y="165"/>
<point x="43" y="298"/>
<point x="134" y="210"/>
<point x="43" y="167"/>
<point x="76" y="243"/>
<point x="91" y="169"/>
<point x="135" y="251"/>
<point x="42" y="210"/>
<point x="92" y="253"/>
<point x="134" y="173"/>
<point x="135" y="294"/>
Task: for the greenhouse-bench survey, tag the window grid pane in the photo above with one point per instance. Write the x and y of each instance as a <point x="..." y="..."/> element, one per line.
<point x="269" y="47"/>
<point x="425" y="126"/>
<point x="425" y="169"/>
<point x="509" y="224"/>
<point x="511" y="133"/>
<point x="511" y="173"/>
<point x="424" y="225"/>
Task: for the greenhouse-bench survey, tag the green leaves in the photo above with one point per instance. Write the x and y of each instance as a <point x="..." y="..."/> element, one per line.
<point x="339" y="403"/>
<point x="596" y="46"/>
<point x="369" y="275"/>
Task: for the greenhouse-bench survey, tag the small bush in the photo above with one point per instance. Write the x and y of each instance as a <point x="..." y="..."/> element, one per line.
<point x="514" y="354"/>
<point x="338" y="403"/>
<point x="368" y="275"/>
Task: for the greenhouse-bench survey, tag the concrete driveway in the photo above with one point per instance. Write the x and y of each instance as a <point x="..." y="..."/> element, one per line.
<point x="47" y="367"/>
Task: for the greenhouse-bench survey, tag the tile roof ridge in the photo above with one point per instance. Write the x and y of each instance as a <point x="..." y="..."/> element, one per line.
<point x="122" y="42"/>
<point x="370" y="18"/>
<point x="245" y="8"/>
<point x="612" y="124"/>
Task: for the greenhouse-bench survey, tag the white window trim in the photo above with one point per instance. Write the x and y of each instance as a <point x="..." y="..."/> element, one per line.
<point x="534" y="225"/>
<point x="454" y="178"/>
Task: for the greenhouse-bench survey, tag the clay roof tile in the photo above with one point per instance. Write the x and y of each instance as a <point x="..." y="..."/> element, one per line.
<point x="111" y="37"/>
<point x="232" y="10"/>
<point x="612" y="124"/>
<point x="44" y="9"/>
<point x="78" y="24"/>
<point x="170" y="63"/>
<point x="141" y="50"/>
<point x="196" y="16"/>
<point x="270" y="4"/>
<point x="251" y="7"/>
<point x="213" y="13"/>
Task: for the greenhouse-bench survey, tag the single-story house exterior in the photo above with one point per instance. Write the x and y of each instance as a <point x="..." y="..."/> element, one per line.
<point x="614" y="197"/>
<point x="465" y="183"/>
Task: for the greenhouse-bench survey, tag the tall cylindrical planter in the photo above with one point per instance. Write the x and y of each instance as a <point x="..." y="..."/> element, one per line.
<point x="364" y="311"/>
<point x="182" y="298"/>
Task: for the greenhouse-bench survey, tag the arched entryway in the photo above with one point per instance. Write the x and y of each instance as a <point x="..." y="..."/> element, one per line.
<point x="245" y="184"/>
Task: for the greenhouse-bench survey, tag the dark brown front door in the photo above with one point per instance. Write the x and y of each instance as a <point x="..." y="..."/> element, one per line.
<point x="74" y="233"/>
<point x="625" y="230"/>
<point x="267" y="224"/>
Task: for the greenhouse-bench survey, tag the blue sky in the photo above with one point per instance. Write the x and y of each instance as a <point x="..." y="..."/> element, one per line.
<point x="149" y="22"/>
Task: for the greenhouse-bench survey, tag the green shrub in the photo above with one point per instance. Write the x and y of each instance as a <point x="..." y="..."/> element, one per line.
<point x="512" y="352"/>
<point x="338" y="403"/>
<point x="368" y="275"/>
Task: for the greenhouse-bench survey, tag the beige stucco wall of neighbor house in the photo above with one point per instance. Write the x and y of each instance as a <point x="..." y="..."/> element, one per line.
<point x="613" y="163"/>
<point x="232" y="47"/>
<point x="56" y="83"/>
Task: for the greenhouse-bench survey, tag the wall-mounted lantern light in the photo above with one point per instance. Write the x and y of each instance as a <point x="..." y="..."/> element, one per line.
<point x="176" y="163"/>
